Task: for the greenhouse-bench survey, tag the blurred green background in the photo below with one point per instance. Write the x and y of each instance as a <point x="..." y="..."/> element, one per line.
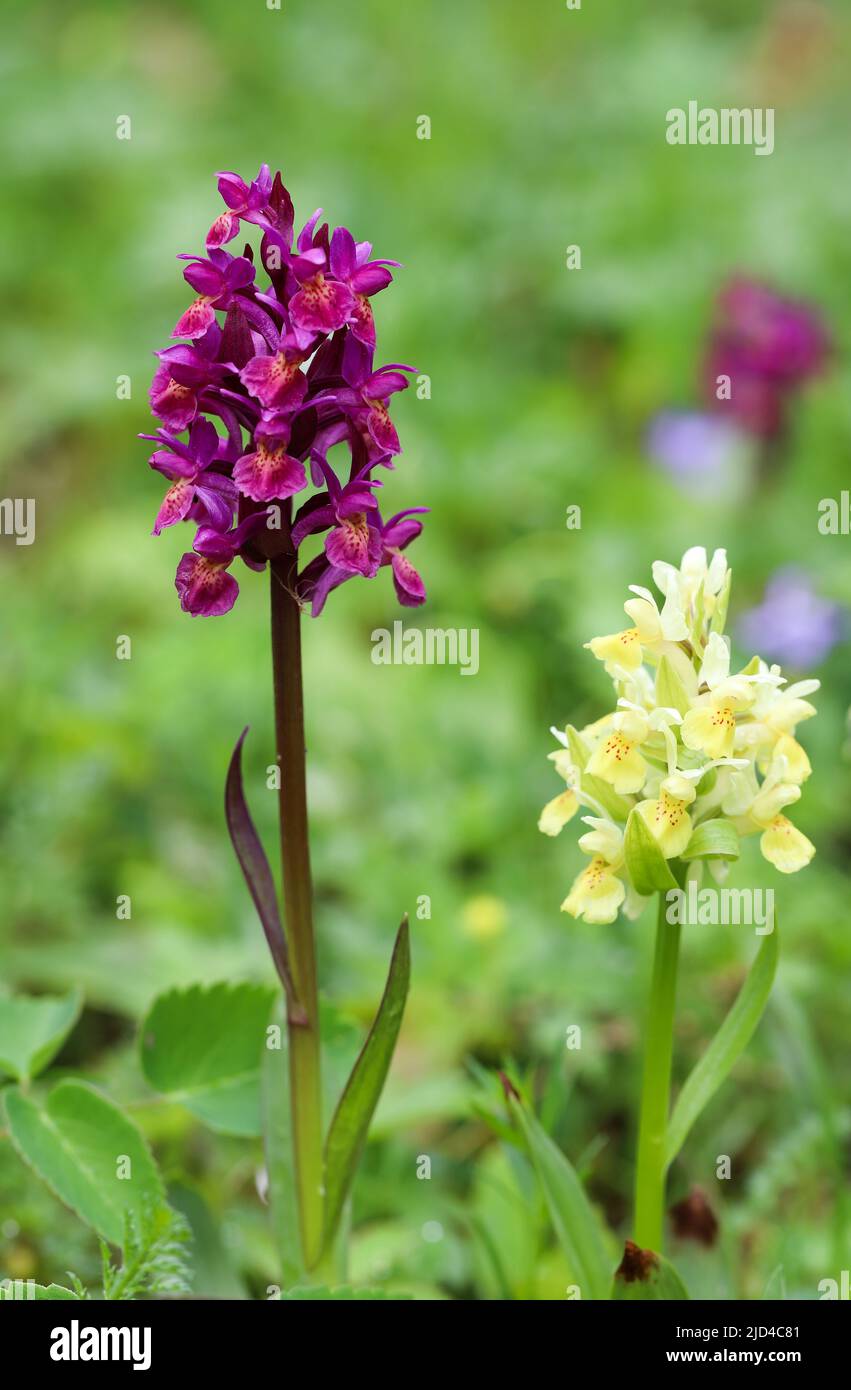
<point x="547" y="129"/>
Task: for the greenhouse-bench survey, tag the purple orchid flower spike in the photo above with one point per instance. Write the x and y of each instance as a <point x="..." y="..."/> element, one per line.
<point x="192" y="479"/>
<point x="217" y="278"/>
<point x="350" y="264"/>
<point x="353" y="544"/>
<point x="205" y="588"/>
<point x="269" y="472"/>
<point x="275" y="384"/>
<point x="247" y="201"/>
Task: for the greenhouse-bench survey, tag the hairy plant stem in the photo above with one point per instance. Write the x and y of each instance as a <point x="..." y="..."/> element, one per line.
<point x="656" y="1085"/>
<point x="304" y="1046"/>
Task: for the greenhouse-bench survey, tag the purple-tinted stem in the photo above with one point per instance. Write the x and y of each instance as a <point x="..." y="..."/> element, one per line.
<point x="304" y="1049"/>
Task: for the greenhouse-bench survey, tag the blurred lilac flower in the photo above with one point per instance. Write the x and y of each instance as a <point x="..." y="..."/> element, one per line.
<point x="793" y="625"/>
<point x="702" y="452"/>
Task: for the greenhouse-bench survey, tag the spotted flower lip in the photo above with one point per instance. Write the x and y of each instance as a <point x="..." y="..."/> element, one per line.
<point x="692" y="744"/>
<point x="217" y="278"/>
<point x="202" y="581"/>
<point x="192" y="477"/>
<point x="273" y="389"/>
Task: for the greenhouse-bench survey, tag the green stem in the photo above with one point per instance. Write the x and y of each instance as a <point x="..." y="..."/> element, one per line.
<point x="656" y="1085"/>
<point x="304" y="1049"/>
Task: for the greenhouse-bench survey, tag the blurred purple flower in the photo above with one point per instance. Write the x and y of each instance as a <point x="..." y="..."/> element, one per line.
<point x="792" y="625"/>
<point x="698" y="450"/>
<point x="769" y="347"/>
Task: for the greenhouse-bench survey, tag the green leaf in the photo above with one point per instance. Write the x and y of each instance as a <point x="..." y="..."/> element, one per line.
<point x="33" y="1030"/>
<point x="574" y="1220"/>
<point x="643" y="1275"/>
<point x="89" y="1153"/>
<point x="714" y="839"/>
<point x="670" y="690"/>
<point x="280" y="1163"/>
<point x="726" y="1047"/>
<point x="202" y="1047"/>
<point x="348" y="1131"/>
<point x="345" y="1293"/>
<point x="645" y="862"/>
<point x="20" y="1290"/>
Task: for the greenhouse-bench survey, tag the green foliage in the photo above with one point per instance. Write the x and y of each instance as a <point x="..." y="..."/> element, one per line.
<point x="350" y="1124"/>
<point x="713" y="839"/>
<point x="88" y="1152"/>
<point x="726" y="1047"/>
<point x="33" y="1030"/>
<point x="154" y="1257"/>
<point x="574" y="1220"/>
<point x="202" y="1047"/>
<point x="645" y="861"/>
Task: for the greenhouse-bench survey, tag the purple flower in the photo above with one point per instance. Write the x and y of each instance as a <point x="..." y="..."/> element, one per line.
<point x="272" y="380"/>
<point x="769" y="347"/>
<point x="184" y="371"/>
<point x="350" y="264"/>
<point x="702" y="452"/>
<point x="243" y="200"/>
<point x="188" y="466"/>
<point x="206" y="589"/>
<point x="392" y="537"/>
<point x="269" y="472"/>
<point x="792" y="625"/>
<point x="217" y="279"/>
<point x="354" y="543"/>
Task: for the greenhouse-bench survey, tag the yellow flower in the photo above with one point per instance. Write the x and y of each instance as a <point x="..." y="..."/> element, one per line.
<point x="596" y="894"/>
<point x="558" y="812"/>
<point x="785" y="846"/>
<point x="618" y="649"/>
<point x="798" y="766"/>
<point x="668" y="820"/>
<point x="484" y="917"/>
<point x="616" y="758"/>
<point x="710" y="727"/>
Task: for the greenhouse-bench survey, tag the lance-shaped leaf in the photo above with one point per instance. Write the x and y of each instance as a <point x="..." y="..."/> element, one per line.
<point x="645" y="862"/>
<point x="643" y="1275"/>
<point x="726" y="1047"/>
<point x="574" y="1220"/>
<point x="349" y="1126"/>
<point x="33" y="1030"/>
<point x="258" y="876"/>
<point x="89" y="1152"/>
